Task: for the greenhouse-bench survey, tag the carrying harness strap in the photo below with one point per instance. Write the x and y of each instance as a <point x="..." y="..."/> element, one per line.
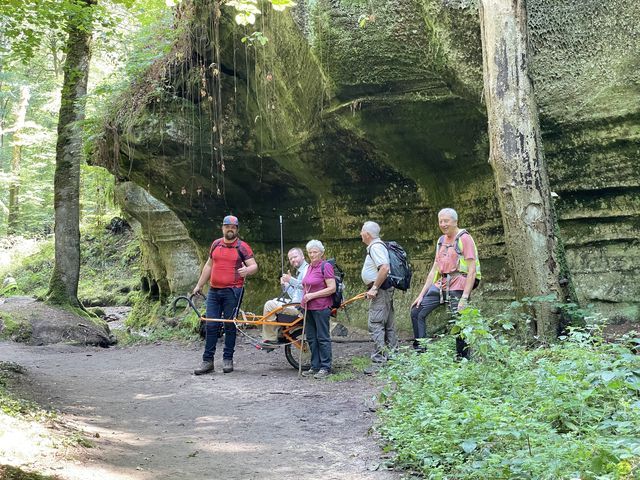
<point x="449" y="277"/>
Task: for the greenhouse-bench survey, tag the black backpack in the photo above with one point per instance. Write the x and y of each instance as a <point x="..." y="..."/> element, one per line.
<point x="399" y="268"/>
<point x="338" y="273"/>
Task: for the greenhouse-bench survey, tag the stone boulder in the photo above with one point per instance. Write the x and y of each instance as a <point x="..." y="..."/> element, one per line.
<point x="26" y="320"/>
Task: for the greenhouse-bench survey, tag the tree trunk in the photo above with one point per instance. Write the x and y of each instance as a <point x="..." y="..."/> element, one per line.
<point x="517" y="159"/>
<point x="63" y="286"/>
<point x="14" y="186"/>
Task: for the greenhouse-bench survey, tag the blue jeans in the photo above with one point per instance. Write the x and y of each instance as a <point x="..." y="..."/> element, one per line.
<point x="319" y="338"/>
<point x="221" y="303"/>
<point x="429" y="303"/>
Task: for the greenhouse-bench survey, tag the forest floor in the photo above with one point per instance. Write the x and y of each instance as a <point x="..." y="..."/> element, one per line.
<point x="139" y="413"/>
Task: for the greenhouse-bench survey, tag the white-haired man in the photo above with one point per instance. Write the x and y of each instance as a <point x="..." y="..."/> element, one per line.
<point x="450" y="280"/>
<point x="292" y="287"/>
<point x="374" y="275"/>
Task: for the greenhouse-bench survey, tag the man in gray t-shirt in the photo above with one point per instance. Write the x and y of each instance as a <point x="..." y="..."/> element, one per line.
<point x="374" y="275"/>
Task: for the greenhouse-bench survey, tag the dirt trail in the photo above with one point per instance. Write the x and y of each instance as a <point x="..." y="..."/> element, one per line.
<point x="150" y="418"/>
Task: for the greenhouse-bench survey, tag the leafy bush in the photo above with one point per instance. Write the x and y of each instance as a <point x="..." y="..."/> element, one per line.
<point x="109" y="270"/>
<point x="568" y="411"/>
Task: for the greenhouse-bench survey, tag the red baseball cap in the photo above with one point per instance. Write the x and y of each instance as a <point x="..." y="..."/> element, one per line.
<point x="231" y="220"/>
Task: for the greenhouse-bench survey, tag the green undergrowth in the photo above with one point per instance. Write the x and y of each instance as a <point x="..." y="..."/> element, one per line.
<point x="350" y="370"/>
<point x="109" y="271"/>
<point x="568" y="411"/>
<point x="151" y="321"/>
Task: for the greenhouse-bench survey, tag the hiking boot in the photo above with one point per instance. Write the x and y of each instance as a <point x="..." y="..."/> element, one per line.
<point x="205" y="367"/>
<point x="309" y="373"/>
<point x="322" y="373"/>
<point x="227" y="365"/>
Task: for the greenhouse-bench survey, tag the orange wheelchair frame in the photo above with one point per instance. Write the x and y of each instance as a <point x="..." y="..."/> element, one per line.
<point x="292" y="327"/>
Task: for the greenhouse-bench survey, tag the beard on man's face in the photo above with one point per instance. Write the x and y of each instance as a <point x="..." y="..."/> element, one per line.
<point x="230" y="234"/>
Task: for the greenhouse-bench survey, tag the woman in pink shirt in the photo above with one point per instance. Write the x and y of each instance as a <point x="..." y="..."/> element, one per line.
<point x="319" y="284"/>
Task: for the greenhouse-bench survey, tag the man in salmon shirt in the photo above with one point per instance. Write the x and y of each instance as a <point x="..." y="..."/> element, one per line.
<point x="230" y="261"/>
<point x="450" y="281"/>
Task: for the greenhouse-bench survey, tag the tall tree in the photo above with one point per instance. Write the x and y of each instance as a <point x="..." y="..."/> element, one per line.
<point x="16" y="157"/>
<point x="518" y="163"/>
<point x="63" y="286"/>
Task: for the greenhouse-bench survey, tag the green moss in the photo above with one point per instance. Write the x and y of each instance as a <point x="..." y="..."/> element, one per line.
<point x="14" y="328"/>
<point x="96" y="311"/>
<point x="144" y="314"/>
<point x="582" y="66"/>
<point x="9" y="472"/>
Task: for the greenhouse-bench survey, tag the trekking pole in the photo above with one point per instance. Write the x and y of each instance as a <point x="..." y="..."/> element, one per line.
<point x="234" y="316"/>
<point x="282" y="256"/>
<point x="304" y="323"/>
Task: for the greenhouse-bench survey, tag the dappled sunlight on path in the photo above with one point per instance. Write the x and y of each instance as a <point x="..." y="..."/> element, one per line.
<point x="148" y="417"/>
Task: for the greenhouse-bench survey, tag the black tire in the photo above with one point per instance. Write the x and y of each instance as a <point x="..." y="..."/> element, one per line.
<point x="293" y="354"/>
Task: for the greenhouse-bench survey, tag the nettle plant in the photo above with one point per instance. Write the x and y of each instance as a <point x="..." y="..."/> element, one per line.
<point x="569" y="410"/>
<point x="516" y="324"/>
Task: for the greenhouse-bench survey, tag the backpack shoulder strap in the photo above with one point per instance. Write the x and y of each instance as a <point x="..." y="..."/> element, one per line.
<point x="370" y="246"/>
<point x="458" y="242"/>
<point x="214" y="245"/>
<point x="240" y="254"/>
<point x="440" y="243"/>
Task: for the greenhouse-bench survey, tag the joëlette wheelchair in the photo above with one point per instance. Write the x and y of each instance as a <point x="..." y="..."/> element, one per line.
<point x="290" y="332"/>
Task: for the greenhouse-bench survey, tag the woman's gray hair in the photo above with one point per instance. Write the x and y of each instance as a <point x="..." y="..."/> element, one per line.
<point x="449" y="212"/>
<point x="372" y="228"/>
<point x="315" y="244"/>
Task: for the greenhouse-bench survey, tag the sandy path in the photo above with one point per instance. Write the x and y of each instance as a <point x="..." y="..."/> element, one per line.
<point x="155" y="420"/>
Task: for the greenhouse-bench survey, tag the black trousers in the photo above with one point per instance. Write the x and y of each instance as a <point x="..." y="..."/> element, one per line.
<point x="429" y="303"/>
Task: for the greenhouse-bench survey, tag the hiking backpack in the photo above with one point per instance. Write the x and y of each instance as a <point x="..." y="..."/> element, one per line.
<point x="399" y="268"/>
<point x="218" y="242"/>
<point x="338" y="273"/>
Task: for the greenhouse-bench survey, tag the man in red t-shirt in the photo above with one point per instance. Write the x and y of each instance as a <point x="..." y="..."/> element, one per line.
<point x="230" y="261"/>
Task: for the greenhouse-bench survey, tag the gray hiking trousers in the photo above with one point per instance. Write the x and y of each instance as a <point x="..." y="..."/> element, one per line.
<point x="382" y="325"/>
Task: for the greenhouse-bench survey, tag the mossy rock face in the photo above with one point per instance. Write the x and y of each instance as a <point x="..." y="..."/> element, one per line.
<point x="27" y="320"/>
<point x="170" y="257"/>
<point x="333" y="123"/>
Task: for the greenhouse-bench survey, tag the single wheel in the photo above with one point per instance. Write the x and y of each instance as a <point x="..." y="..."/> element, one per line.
<point x="293" y="353"/>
